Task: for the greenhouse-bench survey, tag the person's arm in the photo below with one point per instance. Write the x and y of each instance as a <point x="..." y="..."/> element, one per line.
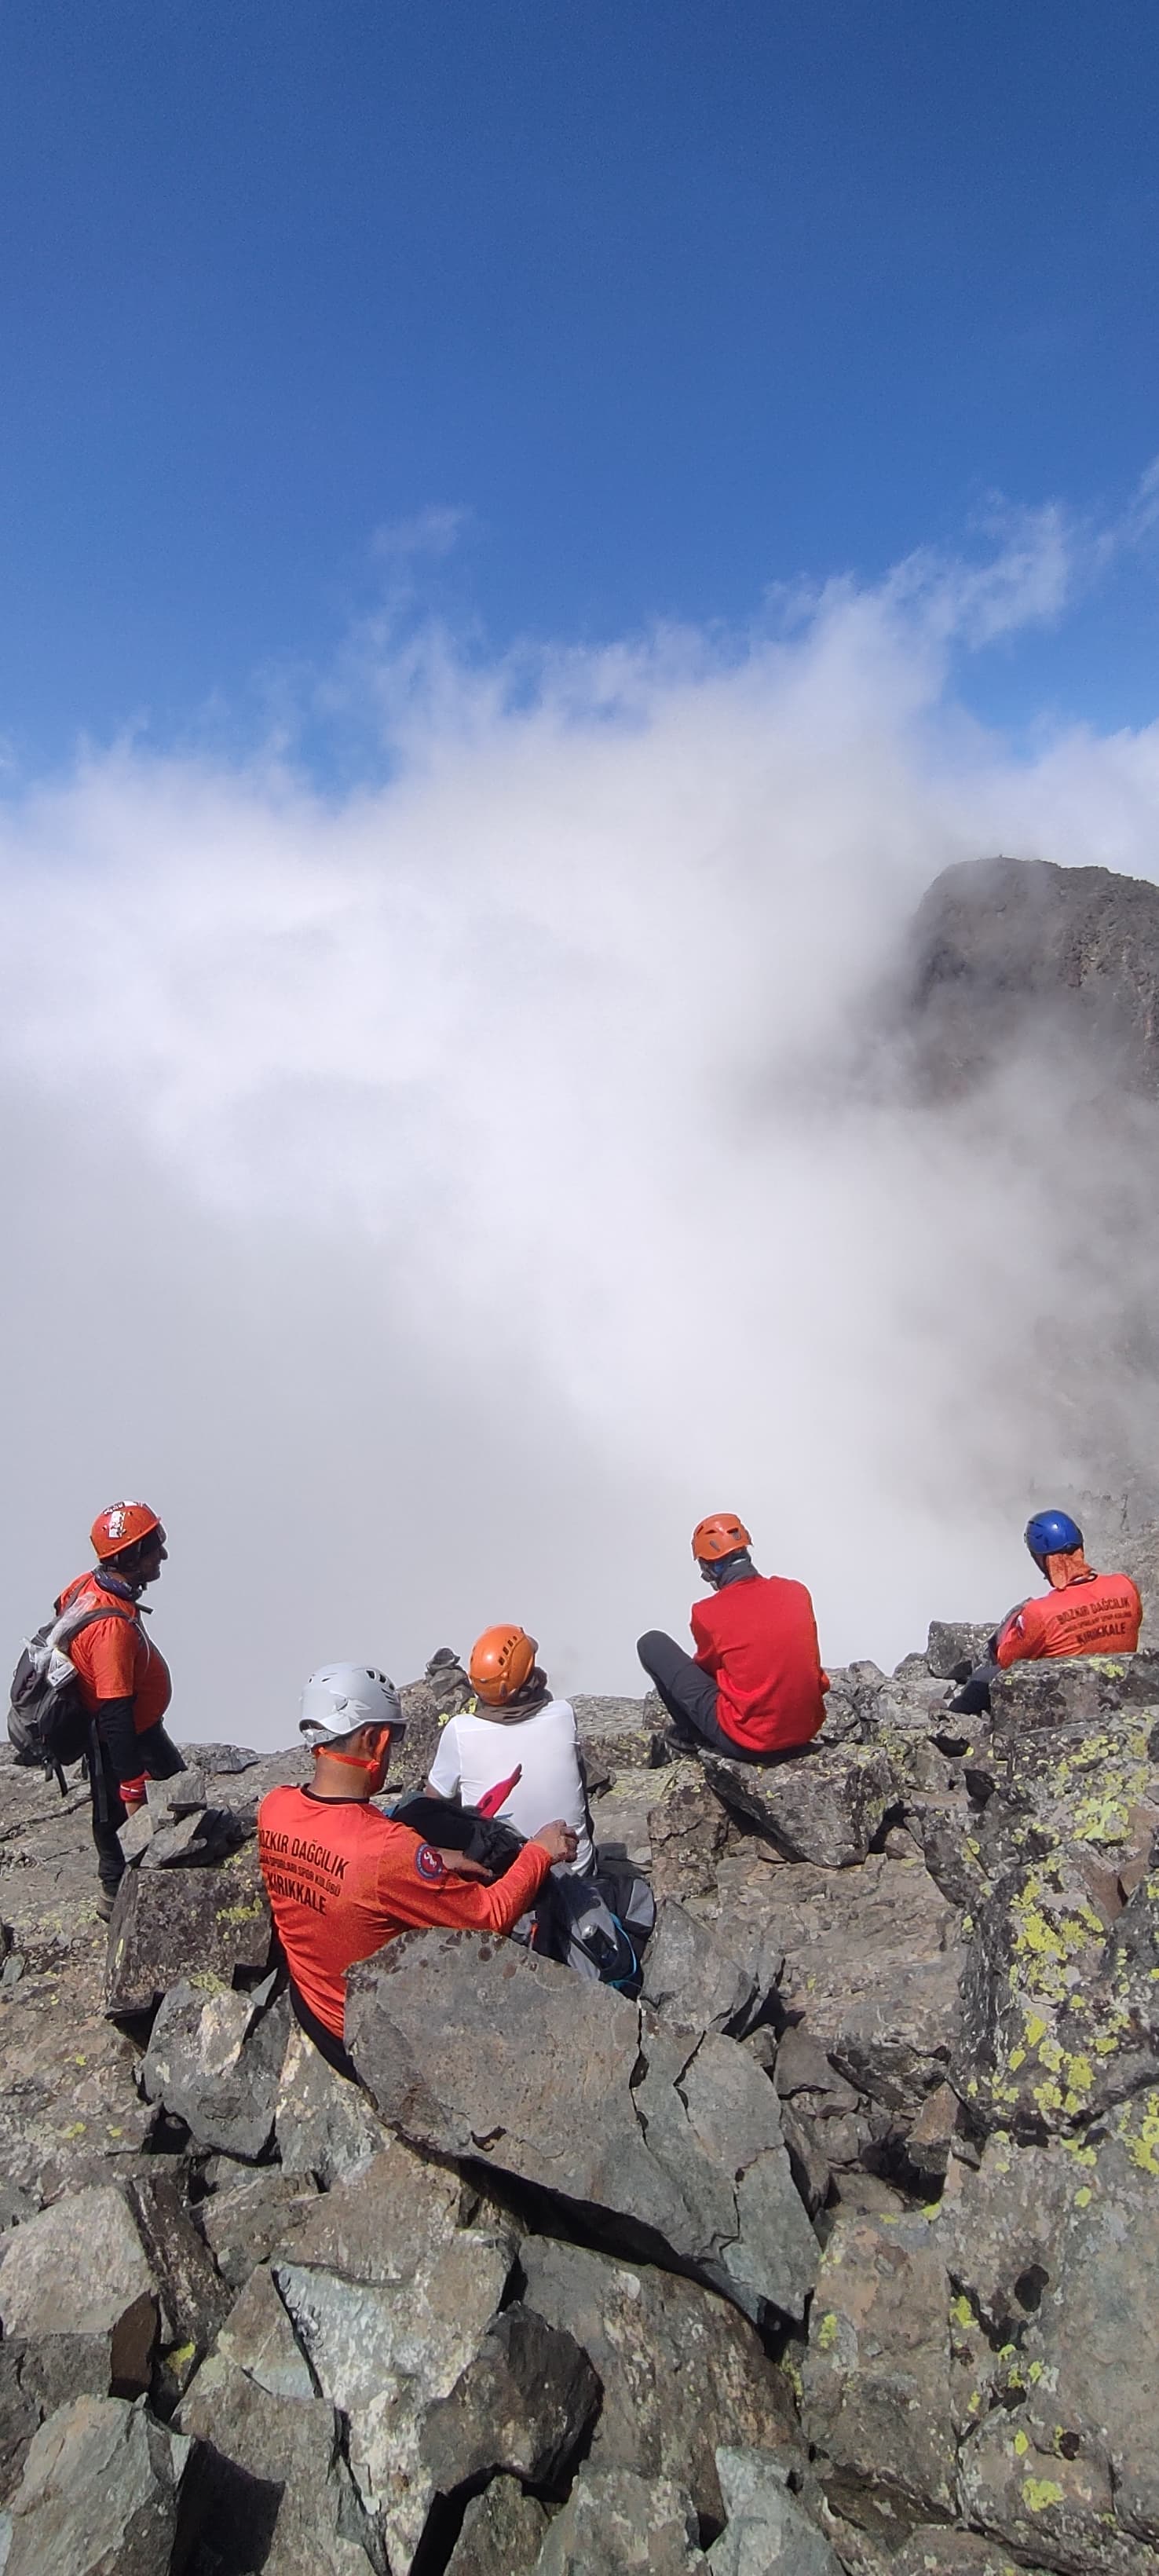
<point x="706" y="1655"/>
<point x="1020" y="1637"/>
<point x="416" y="1891"/>
<point x="446" y="1769"/>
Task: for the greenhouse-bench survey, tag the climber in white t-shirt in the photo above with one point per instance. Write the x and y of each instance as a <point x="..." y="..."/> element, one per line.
<point x="515" y="1726"/>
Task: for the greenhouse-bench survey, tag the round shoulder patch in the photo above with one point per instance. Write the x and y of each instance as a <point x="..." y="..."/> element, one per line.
<point x="427" y="1863"/>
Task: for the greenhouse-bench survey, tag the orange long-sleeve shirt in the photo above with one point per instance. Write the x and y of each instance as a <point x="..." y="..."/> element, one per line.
<point x="343" y="1880"/>
<point x="1093" y="1614"/>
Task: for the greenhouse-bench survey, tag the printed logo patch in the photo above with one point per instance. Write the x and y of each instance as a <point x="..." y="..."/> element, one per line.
<point x="427" y="1863"/>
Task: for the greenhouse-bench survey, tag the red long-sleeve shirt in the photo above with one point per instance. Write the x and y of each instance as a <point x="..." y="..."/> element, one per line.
<point x="758" y="1639"/>
<point x="343" y="1880"/>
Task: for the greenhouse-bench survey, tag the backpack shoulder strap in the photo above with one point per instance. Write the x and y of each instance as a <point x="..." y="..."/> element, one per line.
<point x="71" y="1622"/>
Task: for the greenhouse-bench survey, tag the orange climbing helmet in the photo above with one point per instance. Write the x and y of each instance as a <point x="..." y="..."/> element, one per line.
<point x="721" y="1534"/>
<point x="121" y="1526"/>
<point x="501" y="1661"/>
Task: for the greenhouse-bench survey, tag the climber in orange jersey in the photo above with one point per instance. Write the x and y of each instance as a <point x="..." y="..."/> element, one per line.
<point x="123" y="1680"/>
<point x="343" y="1879"/>
<point x="1083" y="1613"/>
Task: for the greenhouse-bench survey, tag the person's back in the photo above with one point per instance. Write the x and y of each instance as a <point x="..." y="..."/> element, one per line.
<point x="755" y="1686"/>
<point x="515" y="1725"/>
<point x="758" y="1639"/>
<point x="1089" y="1614"/>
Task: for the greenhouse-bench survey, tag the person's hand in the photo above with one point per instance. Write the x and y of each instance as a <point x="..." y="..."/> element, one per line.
<point x="133" y="1793"/>
<point x="558" y="1840"/>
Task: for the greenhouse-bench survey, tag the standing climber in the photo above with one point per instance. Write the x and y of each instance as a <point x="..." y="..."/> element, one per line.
<point x="754" y="1688"/>
<point x="343" y="1879"/>
<point x="515" y="1733"/>
<point x="1083" y="1613"/>
<point x="124" y="1682"/>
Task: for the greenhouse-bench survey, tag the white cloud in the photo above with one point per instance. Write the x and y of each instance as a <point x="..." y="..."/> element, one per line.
<point x="438" y="1194"/>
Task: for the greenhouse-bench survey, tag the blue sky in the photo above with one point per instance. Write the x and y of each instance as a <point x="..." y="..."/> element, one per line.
<point x="670" y="303"/>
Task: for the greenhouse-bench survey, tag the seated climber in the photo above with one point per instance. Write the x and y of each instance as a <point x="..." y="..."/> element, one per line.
<point x="754" y="1688"/>
<point x="123" y="1680"/>
<point x="343" y="1879"/>
<point x="515" y="1733"/>
<point x="1083" y="1613"/>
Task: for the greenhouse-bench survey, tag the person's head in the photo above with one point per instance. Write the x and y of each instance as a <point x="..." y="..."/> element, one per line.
<point x="502" y="1668"/>
<point x="1056" y="1544"/>
<point x="129" y="1541"/>
<point x="720" y="1543"/>
<point x="351" y="1715"/>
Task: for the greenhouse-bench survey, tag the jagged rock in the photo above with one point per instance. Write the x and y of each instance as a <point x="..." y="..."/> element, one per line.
<point x="928" y="2141"/>
<point x="246" y="2217"/>
<point x="1060" y="2014"/>
<point x="192" y="2299"/>
<point x="876" y="2377"/>
<point x="614" y="2524"/>
<point x="567" y="2086"/>
<point x="1063" y="2467"/>
<point x="275" y="2488"/>
<point x="808" y="2161"/>
<point x="767" y="2529"/>
<point x="323" y="2124"/>
<point x="172" y="1924"/>
<point x="501" y="2534"/>
<point x="227" y="1758"/>
<point x="825" y="1806"/>
<point x="391" y="2299"/>
<point x="258" y="2338"/>
<point x="616" y="1734"/>
<point x="214" y="2062"/>
<point x="688" y="1830"/>
<point x="680" y="2370"/>
<point x="193" y="1841"/>
<point x="1081" y="1691"/>
<point x="871" y="1974"/>
<point x="936" y="2549"/>
<point x="102" y="2490"/>
<point x="68" y="2111"/>
<point x="691" y="1978"/>
<point x="523" y="2403"/>
<point x="956" y="1641"/>
<point x="78" y="2267"/>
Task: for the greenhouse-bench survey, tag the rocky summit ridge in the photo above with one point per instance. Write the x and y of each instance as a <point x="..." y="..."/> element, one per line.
<point x="839" y="2249"/>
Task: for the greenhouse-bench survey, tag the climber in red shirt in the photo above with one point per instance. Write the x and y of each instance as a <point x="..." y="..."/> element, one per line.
<point x="755" y="1688"/>
<point x="343" y="1879"/>
<point x="124" y="1682"/>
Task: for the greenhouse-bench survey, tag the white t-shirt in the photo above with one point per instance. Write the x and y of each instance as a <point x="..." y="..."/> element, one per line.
<point x="475" y="1754"/>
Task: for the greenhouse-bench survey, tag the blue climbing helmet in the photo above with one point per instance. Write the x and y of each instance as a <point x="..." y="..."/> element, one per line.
<point x="1052" y="1534"/>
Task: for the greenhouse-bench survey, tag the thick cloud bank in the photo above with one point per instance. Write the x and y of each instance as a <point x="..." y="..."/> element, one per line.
<point x="436" y="1195"/>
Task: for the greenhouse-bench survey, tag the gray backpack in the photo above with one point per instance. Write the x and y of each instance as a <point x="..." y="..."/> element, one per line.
<point x="49" y="1726"/>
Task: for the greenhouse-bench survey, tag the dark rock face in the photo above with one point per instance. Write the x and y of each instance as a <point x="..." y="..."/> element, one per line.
<point x="891" y="2092"/>
<point x="1001" y="947"/>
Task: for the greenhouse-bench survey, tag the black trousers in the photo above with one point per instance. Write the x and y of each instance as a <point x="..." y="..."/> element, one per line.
<point x="160" y="1758"/>
<point x="690" y="1697"/>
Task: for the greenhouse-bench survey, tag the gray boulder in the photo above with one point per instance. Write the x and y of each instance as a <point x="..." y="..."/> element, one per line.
<point x="523" y="2403"/>
<point x="614" y="2524"/>
<point x="323" y="2125"/>
<point x="768" y="2530"/>
<point x="214" y="2061"/>
<point x="827" y="1806"/>
<point x="690" y="1976"/>
<point x="391" y="2300"/>
<point x="680" y="2369"/>
<point x="273" y="2483"/>
<point x="170" y="1924"/>
<point x="501" y="2534"/>
<point x="875" y="2397"/>
<point x="101" y="2495"/>
<point x="956" y="1641"/>
<point x="666" y="2138"/>
<point x="688" y="1831"/>
<point x="78" y="2267"/>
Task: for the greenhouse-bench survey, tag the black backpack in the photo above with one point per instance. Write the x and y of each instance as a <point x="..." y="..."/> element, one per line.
<point x="49" y="1726"/>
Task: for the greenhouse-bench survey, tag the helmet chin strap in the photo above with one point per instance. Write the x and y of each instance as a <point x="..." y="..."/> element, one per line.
<point x="350" y="1761"/>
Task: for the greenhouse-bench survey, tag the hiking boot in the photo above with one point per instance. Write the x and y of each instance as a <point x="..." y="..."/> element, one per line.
<point x="106" y="1899"/>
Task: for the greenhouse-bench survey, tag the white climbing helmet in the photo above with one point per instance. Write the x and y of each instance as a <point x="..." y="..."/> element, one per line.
<point x="339" y="1697"/>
